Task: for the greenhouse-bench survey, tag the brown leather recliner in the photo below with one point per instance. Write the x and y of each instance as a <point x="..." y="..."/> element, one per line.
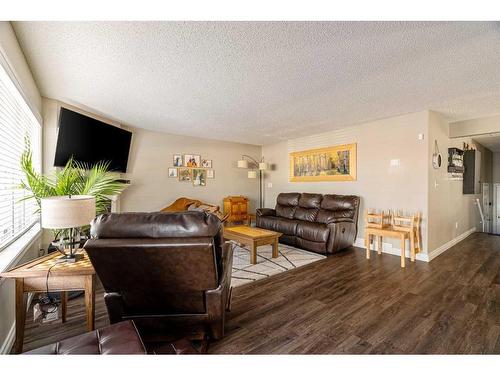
<point x="169" y="272"/>
<point x="320" y="223"/>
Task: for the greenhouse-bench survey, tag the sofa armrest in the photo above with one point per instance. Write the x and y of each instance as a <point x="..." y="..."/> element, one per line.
<point x="339" y="220"/>
<point x="342" y="234"/>
<point x="265" y="212"/>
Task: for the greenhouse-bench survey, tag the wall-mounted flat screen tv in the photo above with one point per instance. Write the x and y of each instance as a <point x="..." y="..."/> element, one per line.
<point x="89" y="141"/>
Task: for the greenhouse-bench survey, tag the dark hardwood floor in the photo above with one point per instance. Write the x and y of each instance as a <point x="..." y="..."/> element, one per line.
<point x="346" y="304"/>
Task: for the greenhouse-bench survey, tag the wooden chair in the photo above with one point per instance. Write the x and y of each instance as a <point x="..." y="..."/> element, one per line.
<point x="377" y="220"/>
<point x="411" y="225"/>
<point x="400" y="227"/>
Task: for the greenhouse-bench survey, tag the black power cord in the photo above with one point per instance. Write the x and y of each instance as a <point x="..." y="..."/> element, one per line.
<point x="48" y="304"/>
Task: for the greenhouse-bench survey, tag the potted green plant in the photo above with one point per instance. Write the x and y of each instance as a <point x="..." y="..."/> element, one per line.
<point x="73" y="179"/>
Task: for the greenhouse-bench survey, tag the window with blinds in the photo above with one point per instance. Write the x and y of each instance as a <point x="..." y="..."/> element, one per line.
<point x="17" y="123"/>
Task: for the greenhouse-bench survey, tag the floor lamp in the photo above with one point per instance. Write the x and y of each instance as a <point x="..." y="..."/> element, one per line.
<point x="247" y="162"/>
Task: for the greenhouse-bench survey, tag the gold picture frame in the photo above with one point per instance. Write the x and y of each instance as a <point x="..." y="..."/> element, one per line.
<point x="337" y="163"/>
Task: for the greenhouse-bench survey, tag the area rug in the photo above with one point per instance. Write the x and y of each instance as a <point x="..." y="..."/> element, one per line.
<point x="288" y="259"/>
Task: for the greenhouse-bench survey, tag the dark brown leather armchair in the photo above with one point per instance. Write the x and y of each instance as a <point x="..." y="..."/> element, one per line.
<point x="169" y="272"/>
<point x="321" y="223"/>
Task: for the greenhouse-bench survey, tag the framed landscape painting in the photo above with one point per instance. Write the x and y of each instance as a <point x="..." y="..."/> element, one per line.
<point x="337" y="163"/>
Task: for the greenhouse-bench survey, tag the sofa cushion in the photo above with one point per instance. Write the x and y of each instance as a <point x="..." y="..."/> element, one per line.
<point x="278" y="224"/>
<point x="305" y="214"/>
<point x="286" y="204"/>
<point x="335" y="202"/>
<point x="308" y="200"/>
<point x="317" y="247"/>
<point x="317" y="232"/>
<point x="119" y="338"/>
<point x="288" y="199"/>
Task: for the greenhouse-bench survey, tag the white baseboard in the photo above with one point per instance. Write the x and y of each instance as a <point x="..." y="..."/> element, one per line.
<point x="425" y="257"/>
<point x="388" y="248"/>
<point x="441" y="249"/>
<point x="8" y="343"/>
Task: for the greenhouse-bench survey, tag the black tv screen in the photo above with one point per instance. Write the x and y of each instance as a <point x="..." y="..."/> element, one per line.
<point x="89" y="141"/>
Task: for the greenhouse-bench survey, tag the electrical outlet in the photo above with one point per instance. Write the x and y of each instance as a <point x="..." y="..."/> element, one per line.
<point x="456" y="224"/>
<point x="269" y="185"/>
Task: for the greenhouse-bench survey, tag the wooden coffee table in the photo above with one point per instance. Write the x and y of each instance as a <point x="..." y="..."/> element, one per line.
<point x="64" y="277"/>
<point x="253" y="238"/>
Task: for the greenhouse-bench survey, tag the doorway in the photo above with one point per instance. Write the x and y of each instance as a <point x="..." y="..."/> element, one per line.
<point x="496" y="209"/>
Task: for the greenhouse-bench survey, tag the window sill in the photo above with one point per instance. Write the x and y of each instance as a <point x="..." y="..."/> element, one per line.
<point x="15" y="251"/>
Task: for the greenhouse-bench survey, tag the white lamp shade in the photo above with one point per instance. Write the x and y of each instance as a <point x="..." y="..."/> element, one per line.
<point x="252" y="174"/>
<point x="242" y="164"/>
<point x="67" y="211"/>
<point x="262" y="166"/>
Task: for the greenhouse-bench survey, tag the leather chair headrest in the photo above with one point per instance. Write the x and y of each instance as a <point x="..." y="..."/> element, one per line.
<point x="155" y="225"/>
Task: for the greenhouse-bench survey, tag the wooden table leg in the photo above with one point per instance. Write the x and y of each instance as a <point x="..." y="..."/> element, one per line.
<point x="253" y="253"/>
<point x="64" y="306"/>
<point x="367" y="244"/>
<point x="379" y="244"/>
<point x="403" y="251"/>
<point x="90" y="301"/>
<point x="20" y="316"/>
<point x="412" y="246"/>
<point x="275" y="248"/>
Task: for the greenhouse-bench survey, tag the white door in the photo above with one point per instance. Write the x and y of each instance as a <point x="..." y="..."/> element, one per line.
<point x="486" y="207"/>
<point x="496" y="208"/>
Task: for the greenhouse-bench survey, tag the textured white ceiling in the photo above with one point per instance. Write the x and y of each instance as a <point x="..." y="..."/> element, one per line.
<point x="261" y="82"/>
<point x="491" y="141"/>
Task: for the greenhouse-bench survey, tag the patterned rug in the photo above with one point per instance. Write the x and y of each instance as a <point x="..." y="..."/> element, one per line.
<point x="288" y="259"/>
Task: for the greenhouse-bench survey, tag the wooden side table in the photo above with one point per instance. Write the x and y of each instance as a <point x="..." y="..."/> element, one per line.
<point x="64" y="277"/>
<point x="389" y="232"/>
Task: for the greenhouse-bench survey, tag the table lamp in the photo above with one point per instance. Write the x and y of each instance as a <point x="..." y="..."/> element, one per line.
<point x="70" y="213"/>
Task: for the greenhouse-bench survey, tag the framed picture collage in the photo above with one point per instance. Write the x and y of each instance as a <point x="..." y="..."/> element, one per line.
<point x="191" y="168"/>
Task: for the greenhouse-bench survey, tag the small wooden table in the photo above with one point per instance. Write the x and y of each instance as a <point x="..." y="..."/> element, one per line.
<point x="253" y="237"/>
<point x="31" y="277"/>
<point x="389" y="232"/>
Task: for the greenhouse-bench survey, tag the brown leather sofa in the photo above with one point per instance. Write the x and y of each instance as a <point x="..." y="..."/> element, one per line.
<point x="321" y="223"/>
<point x="169" y="272"/>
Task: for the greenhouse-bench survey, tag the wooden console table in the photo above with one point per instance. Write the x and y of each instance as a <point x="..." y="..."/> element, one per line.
<point x="64" y="277"/>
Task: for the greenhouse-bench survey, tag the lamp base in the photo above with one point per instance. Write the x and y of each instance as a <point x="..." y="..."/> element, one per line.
<point x="72" y="258"/>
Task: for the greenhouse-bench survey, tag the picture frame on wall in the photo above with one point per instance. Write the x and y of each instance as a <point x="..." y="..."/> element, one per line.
<point x="206" y="163"/>
<point x="172" y="172"/>
<point x="192" y="161"/>
<point x="199" y="177"/>
<point x="184" y="174"/>
<point x="177" y="160"/>
<point x="210" y="174"/>
<point x="337" y="163"/>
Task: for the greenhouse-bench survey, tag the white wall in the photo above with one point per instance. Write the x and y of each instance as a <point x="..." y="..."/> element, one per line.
<point x="16" y="63"/>
<point x="151" y="155"/>
<point x="402" y="185"/>
<point x="451" y="213"/>
<point x="496" y="168"/>
<point x="11" y="51"/>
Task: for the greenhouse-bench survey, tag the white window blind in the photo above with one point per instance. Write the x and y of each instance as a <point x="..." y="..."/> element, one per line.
<point x="17" y="123"/>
